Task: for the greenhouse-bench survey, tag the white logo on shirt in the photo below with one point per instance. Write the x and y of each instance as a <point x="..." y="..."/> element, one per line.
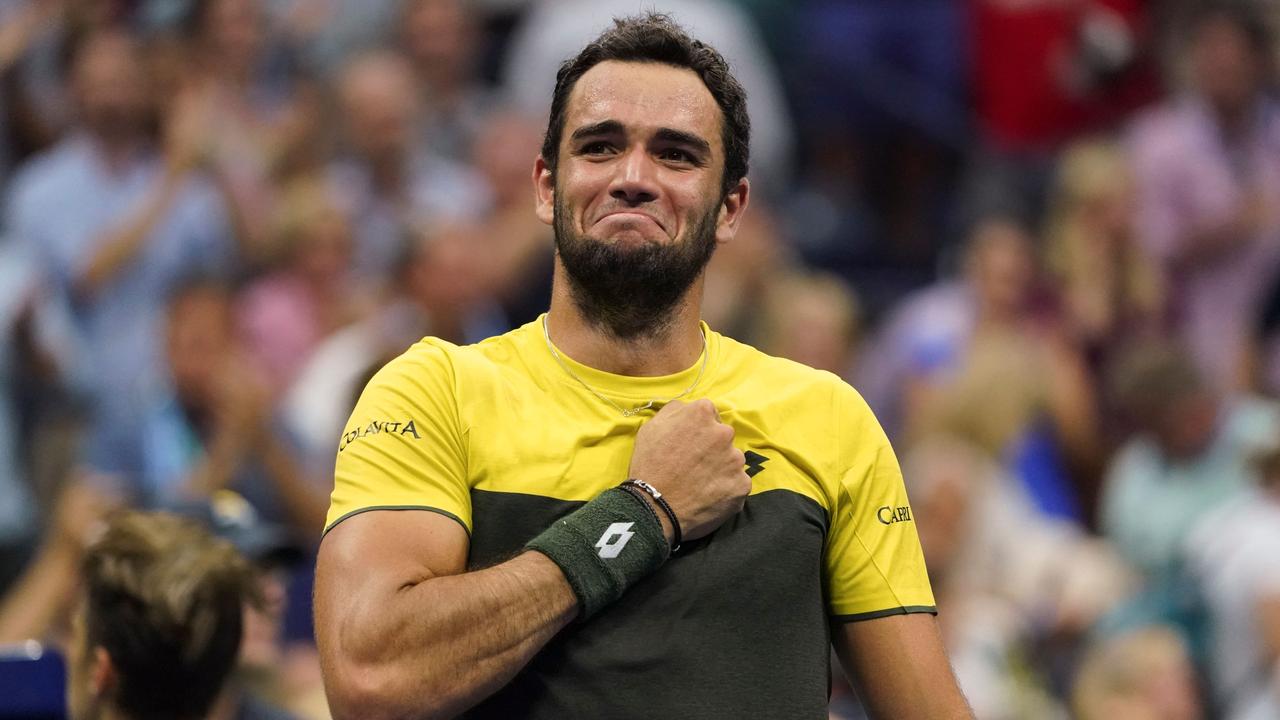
<point x="614" y="539"/>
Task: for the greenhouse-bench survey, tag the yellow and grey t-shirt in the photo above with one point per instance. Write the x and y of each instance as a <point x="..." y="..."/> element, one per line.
<point x="503" y="440"/>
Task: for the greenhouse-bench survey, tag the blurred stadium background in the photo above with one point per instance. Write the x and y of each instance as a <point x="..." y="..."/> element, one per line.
<point x="1040" y="236"/>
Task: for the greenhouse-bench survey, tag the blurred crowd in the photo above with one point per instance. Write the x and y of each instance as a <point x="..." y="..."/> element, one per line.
<point x="1042" y="237"/>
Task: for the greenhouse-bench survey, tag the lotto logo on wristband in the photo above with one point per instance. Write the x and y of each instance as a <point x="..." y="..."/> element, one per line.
<point x="614" y="539"/>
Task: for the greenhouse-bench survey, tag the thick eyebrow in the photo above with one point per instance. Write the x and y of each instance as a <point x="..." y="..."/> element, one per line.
<point x="613" y="127"/>
<point x="604" y="127"/>
<point x="684" y="138"/>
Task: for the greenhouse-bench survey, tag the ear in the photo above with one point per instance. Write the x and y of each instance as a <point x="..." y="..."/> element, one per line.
<point x="544" y="189"/>
<point x="731" y="209"/>
<point x="102" y="673"/>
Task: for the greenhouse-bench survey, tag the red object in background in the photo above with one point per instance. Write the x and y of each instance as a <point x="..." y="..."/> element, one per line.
<point x="1023" y="55"/>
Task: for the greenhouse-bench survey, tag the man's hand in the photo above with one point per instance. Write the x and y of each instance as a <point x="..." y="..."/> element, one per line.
<point x="688" y="455"/>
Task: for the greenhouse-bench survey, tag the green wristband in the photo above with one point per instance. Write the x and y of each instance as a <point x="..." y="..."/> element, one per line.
<point x="604" y="547"/>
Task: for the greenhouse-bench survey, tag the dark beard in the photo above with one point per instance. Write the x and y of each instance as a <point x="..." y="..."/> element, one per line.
<point x="631" y="292"/>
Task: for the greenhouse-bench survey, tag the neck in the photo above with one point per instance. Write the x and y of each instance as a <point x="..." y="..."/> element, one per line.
<point x="1234" y="119"/>
<point x="117" y="152"/>
<point x="387" y="172"/>
<point x="674" y="348"/>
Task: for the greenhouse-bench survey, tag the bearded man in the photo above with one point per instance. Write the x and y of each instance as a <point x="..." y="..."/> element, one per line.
<point x="614" y="511"/>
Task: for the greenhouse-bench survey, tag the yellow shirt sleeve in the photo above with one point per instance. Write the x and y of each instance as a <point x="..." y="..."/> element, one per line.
<point x="403" y="447"/>
<point x="874" y="564"/>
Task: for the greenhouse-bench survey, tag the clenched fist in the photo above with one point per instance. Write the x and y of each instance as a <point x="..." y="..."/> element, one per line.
<point x="688" y="455"/>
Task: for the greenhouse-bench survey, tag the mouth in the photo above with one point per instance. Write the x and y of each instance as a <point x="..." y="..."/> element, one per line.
<point x="631" y="217"/>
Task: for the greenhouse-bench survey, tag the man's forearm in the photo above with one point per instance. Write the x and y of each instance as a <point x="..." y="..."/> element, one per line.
<point x="437" y="647"/>
<point x="122" y="245"/>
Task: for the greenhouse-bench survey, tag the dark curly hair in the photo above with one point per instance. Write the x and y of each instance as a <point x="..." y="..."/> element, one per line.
<point x="656" y="38"/>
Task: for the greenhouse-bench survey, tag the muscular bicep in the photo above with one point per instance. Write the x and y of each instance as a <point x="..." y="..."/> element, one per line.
<point x="368" y="558"/>
<point x="899" y="667"/>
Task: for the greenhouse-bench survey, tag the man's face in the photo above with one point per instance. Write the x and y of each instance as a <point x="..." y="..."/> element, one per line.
<point x="234" y="29"/>
<point x="1224" y="66"/>
<point x="198" y="343"/>
<point x="636" y="202"/>
<point x="112" y="89"/>
<point x="378" y="107"/>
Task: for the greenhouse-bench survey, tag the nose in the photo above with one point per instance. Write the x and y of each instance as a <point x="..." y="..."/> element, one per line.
<point x="634" y="182"/>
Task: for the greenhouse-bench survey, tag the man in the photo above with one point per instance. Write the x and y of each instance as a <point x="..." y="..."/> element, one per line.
<point x="113" y="220"/>
<point x="481" y="557"/>
<point x="1189" y="457"/>
<point x="1207" y="166"/>
<point x="1231" y="554"/>
<point x="160" y="621"/>
<point x="387" y="179"/>
<point x="212" y="431"/>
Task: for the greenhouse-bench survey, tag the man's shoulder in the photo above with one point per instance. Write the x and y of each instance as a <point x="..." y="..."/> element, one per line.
<point x="434" y="356"/>
<point x="48" y="172"/>
<point x="756" y="372"/>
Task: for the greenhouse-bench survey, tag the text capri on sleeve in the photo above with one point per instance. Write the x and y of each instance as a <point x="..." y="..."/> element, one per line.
<point x="874" y="564"/>
<point x="402" y="448"/>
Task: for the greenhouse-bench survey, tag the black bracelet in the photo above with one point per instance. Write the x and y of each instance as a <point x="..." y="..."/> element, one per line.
<point x="662" y="503"/>
<point x="640" y="498"/>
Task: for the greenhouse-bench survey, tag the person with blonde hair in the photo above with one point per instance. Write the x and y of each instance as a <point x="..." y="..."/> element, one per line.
<point x="1109" y="287"/>
<point x="160" y="620"/>
<point x="1143" y="674"/>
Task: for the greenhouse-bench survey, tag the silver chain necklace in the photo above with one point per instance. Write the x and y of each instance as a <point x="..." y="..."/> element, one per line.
<point x="639" y="408"/>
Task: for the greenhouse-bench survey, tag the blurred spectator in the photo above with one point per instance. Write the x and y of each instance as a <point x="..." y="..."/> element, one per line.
<point x="49" y="602"/>
<point x="925" y="338"/>
<point x="1109" y="289"/>
<point x="388" y="181"/>
<point x="1190" y="456"/>
<point x="813" y="319"/>
<point x="214" y="429"/>
<point x="521" y="246"/>
<point x="159" y="626"/>
<point x="283" y="315"/>
<point x="326" y="33"/>
<point x="740" y="273"/>
<point x="245" y="104"/>
<point x="553" y="30"/>
<point x="441" y="40"/>
<point x="1009" y="579"/>
<point x="114" y="224"/>
<point x="1207" y="165"/>
<point x="264" y="678"/>
<point x="1234" y="555"/>
<point x="442" y="290"/>
<point x="956" y="351"/>
<point x="1110" y="293"/>
<point x="39" y="604"/>
<point x="1143" y="674"/>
